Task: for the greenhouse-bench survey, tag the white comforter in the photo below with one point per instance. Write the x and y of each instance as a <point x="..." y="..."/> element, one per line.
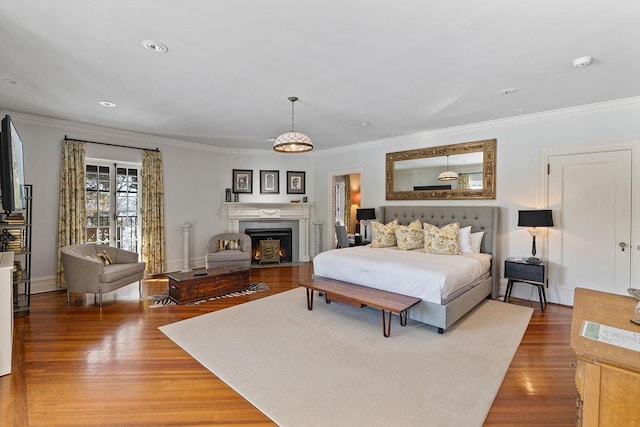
<point x="426" y="276"/>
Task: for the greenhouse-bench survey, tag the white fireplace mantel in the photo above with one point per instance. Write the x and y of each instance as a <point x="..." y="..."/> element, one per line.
<point x="257" y="211"/>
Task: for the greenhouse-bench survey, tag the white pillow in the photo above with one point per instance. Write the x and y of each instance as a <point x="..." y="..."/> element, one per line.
<point x="464" y="239"/>
<point x="476" y="241"/>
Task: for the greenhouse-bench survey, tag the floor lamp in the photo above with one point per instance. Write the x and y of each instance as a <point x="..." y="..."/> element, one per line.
<point x="533" y="219"/>
<point x="364" y="215"/>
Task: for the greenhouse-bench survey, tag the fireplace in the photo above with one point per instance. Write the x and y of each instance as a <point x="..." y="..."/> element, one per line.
<point x="284" y="235"/>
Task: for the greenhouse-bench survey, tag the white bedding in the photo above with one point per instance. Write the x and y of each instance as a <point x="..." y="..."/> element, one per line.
<point x="426" y="276"/>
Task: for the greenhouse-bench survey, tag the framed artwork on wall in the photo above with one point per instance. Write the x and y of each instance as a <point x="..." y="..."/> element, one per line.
<point x="269" y="182"/>
<point x="242" y="181"/>
<point x="295" y="182"/>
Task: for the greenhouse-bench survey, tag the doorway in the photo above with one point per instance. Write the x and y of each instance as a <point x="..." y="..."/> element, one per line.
<point x="346" y="197"/>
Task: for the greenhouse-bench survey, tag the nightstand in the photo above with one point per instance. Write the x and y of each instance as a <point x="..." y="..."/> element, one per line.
<point x="533" y="274"/>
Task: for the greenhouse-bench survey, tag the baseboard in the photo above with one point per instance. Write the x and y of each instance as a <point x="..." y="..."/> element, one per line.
<point x="44" y="284"/>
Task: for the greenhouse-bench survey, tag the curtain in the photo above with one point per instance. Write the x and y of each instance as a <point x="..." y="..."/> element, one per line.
<point x="347" y="202"/>
<point x="463" y="181"/>
<point x="72" y="216"/>
<point x="153" y="243"/>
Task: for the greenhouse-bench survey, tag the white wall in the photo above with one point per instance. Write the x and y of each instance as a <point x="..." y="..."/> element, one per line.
<point x="196" y="175"/>
<point x="195" y="178"/>
<point x="520" y="142"/>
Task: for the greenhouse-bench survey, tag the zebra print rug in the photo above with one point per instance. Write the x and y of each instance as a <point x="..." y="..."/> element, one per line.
<point x="163" y="300"/>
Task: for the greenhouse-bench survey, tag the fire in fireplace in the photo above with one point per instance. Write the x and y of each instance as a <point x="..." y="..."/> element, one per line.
<point x="282" y="234"/>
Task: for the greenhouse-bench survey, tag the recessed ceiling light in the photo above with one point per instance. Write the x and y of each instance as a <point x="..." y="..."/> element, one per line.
<point x="583" y="61"/>
<point x="154" y="46"/>
<point x="520" y="110"/>
<point x="508" y="91"/>
<point x="108" y="104"/>
<point x="365" y="124"/>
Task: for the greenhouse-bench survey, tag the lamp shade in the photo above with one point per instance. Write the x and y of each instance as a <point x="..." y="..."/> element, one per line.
<point x="365" y="214"/>
<point x="535" y="218"/>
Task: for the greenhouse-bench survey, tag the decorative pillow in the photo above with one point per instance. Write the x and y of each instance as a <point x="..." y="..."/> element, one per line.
<point x="464" y="239"/>
<point x="383" y="235"/>
<point x="103" y="257"/>
<point x="441" y="240"/>
<point x="228" y="245"/>
<point x="409" y="236"/>
<point x="476" y="241"/>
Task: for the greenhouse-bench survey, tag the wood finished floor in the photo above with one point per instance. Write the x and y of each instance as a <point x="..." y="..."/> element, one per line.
<point x="80" y="365"/>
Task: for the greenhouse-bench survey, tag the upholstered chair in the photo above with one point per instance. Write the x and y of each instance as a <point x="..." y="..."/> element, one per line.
<point x="98" y="269"/>
<point x="229" y="249"/>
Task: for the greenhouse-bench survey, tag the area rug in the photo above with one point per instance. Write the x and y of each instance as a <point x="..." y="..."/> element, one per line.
<point x="163" y="300"/>
<point x="332" y="366"/>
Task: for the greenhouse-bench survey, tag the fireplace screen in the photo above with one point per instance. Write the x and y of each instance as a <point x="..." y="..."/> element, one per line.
<point x="283" y="235"/>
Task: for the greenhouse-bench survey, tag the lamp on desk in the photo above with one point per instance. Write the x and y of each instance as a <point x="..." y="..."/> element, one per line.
<point x="533" y="219"/>
<point x="364" y="215"/>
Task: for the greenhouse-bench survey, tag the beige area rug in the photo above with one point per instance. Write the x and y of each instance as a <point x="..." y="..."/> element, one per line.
<point x="333" y="367"/>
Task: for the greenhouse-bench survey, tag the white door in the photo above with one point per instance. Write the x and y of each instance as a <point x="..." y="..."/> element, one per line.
<point x="590" y="195"/>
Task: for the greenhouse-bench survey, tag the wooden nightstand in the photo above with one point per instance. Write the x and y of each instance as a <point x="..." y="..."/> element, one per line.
<point x="533" y="274"/>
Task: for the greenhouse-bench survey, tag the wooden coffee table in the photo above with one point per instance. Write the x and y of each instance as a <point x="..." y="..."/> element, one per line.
<point x="201" y="284"/>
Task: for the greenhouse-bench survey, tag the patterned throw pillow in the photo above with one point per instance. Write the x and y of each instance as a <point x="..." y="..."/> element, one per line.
<point x="103" y="257"/>
<point x="441" y="240"/>
<point x="410" y="236"/>
<point x="383" y="235"/>
<point x="228" y="245"/>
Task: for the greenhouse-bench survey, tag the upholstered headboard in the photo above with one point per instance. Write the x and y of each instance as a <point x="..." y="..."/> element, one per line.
<point x="480" y="218"/>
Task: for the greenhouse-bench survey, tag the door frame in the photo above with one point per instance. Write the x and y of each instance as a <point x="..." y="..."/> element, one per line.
<point x="329" y="231"/>
<point x="631" y="144"/>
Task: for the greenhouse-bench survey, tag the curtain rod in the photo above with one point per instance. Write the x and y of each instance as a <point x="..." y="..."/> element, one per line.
<point x="157" y="150"/>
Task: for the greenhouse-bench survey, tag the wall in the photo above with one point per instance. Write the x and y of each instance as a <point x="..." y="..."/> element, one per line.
<point x="520" y="142"/>
<point x="195" y="178"/>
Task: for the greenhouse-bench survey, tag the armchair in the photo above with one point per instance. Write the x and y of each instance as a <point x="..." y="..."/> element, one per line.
<point x="220" y="253"/>
<point x="85" y="273"/>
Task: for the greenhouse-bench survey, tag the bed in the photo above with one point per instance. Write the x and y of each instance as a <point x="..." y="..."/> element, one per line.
<point x="470" y="278"/>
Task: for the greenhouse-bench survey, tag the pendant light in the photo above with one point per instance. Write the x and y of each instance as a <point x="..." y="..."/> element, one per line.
<point x="292" y="142"/>
<point x="447" y="175"/>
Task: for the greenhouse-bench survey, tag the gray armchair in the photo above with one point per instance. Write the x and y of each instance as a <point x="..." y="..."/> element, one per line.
<point x="86" y="274"/>
<point x="218" y="257"/>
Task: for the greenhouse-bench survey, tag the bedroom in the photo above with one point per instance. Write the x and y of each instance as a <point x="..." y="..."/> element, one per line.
<point x="196" y="174"/>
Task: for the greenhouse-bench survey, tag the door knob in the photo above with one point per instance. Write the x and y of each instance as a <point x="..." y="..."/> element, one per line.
<point x="623" y="245"/>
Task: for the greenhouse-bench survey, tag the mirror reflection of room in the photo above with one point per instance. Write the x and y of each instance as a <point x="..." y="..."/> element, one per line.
<point x="427" y="173"/>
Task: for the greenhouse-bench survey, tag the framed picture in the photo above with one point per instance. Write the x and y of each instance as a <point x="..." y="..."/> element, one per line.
<point x="295" y="182"/>
<point x="269" y="182"/>
<point x="242" y="181"/>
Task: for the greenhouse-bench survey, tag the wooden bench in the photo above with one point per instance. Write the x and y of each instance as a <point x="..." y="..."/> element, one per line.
<point x="362" y="296"/>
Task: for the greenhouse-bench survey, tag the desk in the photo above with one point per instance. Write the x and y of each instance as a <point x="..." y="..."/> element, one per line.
<point x="533" y="274"/>
<point x="6" y="311"/>
<point x="607" y="376"/>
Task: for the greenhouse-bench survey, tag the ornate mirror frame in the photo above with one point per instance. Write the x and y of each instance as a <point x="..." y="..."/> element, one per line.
<point x="488" y="191"/>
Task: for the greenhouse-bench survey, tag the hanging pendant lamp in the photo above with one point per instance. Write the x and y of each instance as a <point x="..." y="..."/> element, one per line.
<point x="447" y="175"/>
<point x="292" y="142"/>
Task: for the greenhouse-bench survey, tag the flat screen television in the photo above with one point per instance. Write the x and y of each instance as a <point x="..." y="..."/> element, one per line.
<point x="11" y="168"/>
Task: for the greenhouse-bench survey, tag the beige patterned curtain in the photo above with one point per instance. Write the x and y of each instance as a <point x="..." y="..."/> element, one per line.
<point x="347" y="202"/>
<point x="72" y="216"/>
<point x="463" y="181"/>
<point x="153" y="245"/>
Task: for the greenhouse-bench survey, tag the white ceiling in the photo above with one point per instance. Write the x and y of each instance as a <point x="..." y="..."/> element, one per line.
<point x="403" y="66"/>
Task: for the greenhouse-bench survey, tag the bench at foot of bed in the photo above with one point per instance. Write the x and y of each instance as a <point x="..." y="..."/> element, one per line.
<point x="362" y="296"/>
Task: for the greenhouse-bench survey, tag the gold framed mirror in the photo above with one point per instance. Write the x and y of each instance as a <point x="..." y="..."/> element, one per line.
<point x="447" y="172"/>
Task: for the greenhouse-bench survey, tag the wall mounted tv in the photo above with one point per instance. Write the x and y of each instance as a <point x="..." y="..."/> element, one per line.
<point x="11" y="168"/>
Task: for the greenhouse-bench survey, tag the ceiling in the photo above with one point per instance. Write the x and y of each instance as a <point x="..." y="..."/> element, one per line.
<point x="362" y="70"/>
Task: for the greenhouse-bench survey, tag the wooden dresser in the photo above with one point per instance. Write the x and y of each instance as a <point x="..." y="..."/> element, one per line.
<point x="607" y="376"/>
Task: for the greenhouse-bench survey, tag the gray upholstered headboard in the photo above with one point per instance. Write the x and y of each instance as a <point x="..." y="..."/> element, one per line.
<point x="480" y="218"/>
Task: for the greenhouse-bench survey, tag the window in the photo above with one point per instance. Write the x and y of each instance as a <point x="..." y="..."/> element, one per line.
<point x="112" y="200"/>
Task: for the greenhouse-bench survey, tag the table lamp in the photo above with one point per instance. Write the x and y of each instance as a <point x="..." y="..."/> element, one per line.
<point x="534" y="219"/>
<point x="364" y="215"/>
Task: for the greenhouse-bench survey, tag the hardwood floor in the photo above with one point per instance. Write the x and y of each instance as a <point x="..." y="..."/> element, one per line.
<point x="82" y="365"/>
